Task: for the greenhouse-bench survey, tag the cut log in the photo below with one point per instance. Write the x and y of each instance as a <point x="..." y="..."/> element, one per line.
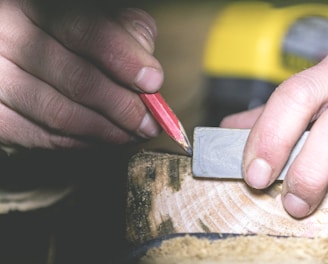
<point x="164" y="198"/>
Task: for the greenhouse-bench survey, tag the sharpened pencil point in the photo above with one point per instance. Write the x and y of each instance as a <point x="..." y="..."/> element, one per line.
<point x="167" y="119"/>
<point x="187" y="146"/>
<point x="189" y="150"/>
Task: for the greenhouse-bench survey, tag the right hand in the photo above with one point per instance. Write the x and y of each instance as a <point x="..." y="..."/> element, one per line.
<point x="70" y="74"/>
<point x="298" y="103"/>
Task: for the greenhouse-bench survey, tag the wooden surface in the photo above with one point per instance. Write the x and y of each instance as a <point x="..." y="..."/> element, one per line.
<point x="164" y="198"/>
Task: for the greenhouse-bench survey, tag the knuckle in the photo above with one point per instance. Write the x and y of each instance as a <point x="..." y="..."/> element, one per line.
<point x="305" y="181"/>
<point x="268" y="142"/>
<point x="79" y="30"/>
<point x="126" y="108"/>
<point x="59" y="115"/>
<point x="129" y="112"/>
<point x="303" y="89"/>
<point x="118" y="54"/>
<point x="78" y="81"/>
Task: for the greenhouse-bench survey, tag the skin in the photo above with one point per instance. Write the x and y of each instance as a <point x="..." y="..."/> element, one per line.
<point x="298" y="103"/>
<point x="70" y="74"/>
<point x="69" y="77"/>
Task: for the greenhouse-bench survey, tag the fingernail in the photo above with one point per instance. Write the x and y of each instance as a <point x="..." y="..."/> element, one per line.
<point x="296" y="206"/>
<point x="148" y="127"/>
<point x="144" y="35"/>
<point x="149" y="79"/>
<point x="258" y="174"/>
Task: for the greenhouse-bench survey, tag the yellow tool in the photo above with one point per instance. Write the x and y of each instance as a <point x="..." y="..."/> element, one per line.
<point x="254" y="45"/>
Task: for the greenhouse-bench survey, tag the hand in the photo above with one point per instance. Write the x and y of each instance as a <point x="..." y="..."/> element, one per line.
<point x="297" y="103"/>
<point x="70" y="74"/>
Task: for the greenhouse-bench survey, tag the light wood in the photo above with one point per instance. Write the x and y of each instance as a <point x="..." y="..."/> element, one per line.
<point x="164" y="198"/>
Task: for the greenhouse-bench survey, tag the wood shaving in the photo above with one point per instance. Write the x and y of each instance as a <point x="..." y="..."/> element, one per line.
<point x="240" y="249"/>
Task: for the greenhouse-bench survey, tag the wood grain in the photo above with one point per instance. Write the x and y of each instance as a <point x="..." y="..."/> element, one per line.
<point x="164" y="198"/>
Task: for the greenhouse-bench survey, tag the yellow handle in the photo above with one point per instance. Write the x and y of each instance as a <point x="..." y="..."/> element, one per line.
<point x="247" y="37"/>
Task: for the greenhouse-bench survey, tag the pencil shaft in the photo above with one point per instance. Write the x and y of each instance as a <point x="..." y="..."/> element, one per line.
<point x="167" y="119"/>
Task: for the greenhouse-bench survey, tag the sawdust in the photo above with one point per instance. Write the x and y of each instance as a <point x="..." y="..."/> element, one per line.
<point x="240" y="249"/>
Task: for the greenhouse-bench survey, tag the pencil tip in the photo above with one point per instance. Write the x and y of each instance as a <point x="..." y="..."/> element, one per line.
<point x="187" y="146"/>
<point x="189" y="150"/>
<point x="184" y="141"/>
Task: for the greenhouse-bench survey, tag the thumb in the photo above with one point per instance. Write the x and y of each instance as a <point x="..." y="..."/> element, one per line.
<point x="140" y="25"/>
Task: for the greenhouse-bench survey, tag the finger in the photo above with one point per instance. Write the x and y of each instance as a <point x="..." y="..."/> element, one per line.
<point x="42" y="56"/>
<point x="286" y="115"/>
<point x="41" y="103"/>
<point x="90" y="32"/>
<point x="306" y="183"/>
<point x="17" y="130"/>
<point x="245" y="119"/>
<point x="140" y="25"/>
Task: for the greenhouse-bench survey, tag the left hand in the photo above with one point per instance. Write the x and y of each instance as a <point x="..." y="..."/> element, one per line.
<point x="276" y="127"/>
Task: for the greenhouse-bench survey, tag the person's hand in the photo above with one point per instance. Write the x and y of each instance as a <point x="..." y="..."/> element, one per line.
<point x="70" y="74"/>
<point x="297" y="103"/>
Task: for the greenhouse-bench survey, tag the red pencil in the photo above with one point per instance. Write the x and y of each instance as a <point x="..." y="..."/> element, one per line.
<point x="167" y="119"/>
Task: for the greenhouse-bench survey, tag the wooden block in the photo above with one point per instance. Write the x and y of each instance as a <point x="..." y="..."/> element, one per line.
<point x="164" y="198"/>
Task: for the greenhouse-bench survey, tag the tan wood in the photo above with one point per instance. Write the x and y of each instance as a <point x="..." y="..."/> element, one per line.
<point x="164" y="198"/>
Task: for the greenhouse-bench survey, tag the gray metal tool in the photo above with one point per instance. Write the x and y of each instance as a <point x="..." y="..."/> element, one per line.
<point x="218" y="152"/>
